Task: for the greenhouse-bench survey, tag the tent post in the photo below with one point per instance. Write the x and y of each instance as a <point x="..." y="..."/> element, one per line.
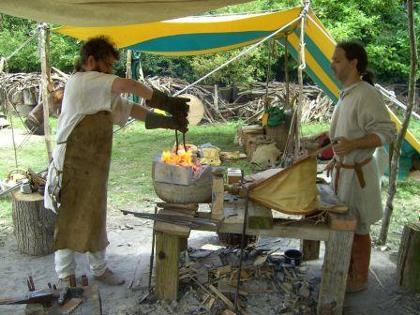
<point x="128" y="64"/>
<point x="286" y="69"/>
<point x="44" y="43"/>
<point x="301" y="67"/>
<point x="401" y="135"/>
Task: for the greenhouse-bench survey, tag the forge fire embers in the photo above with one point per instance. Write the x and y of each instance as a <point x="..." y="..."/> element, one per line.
<point x="183" y="168"/>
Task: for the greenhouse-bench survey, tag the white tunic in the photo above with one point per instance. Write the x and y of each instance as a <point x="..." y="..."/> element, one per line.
<point x="85" y="93"/>
<point x="359" y="112"/>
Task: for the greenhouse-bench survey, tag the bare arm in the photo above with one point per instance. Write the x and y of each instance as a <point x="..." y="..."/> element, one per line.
<point x="120" y="86"/>
<point x="344" y="146"/>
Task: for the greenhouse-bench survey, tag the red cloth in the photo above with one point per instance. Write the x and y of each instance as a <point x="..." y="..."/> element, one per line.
<point x="328" y="153"/>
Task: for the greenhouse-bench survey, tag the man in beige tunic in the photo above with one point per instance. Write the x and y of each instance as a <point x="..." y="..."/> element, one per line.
<point x="360" y="123"/>
<point x="78" y="173"/>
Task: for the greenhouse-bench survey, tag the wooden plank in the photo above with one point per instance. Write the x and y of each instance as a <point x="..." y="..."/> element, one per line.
<point x="259" y="217"/>
<point x="345" y="222"/>
<point x="184" y="208"/>
<point x="167" y="259"/>
<point x="334" y="272"/>
<point x="329" y="201"/>
<point x="172" y="228"/>
<point x="217" y="196"/>
<point x="304" y="230"/>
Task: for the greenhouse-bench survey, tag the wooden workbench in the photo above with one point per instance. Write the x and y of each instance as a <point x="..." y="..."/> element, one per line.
<point x="337" y="232"/>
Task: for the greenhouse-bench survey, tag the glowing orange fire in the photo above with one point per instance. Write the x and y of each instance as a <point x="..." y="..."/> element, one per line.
<point x="183" y="158"/>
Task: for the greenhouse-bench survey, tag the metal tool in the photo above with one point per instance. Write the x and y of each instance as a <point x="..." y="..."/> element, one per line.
<point x="69" y="293"/>
<point x="44" y="296"/>
<point x="175" y="219"/>
<point x="176" y="142"/>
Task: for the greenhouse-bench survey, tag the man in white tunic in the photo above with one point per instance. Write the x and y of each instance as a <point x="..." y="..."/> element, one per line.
<point x="360" y="123"/>
<point x="78" y="173"/>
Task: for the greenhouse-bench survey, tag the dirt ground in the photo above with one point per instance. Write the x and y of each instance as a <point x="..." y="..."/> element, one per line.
<point x="128" y="255"/>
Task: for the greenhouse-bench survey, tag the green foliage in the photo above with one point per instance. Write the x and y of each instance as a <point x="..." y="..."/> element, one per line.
<point x="177" y="67"/>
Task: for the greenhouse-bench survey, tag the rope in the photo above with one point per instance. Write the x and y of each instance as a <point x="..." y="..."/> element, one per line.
<point x="24" y="44"/>
<point x="245" y="51"/>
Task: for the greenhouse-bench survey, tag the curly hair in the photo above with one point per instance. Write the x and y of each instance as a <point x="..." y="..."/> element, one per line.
<point x="99" y="47"/>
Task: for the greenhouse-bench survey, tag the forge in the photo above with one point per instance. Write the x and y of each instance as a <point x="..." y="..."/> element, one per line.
<point x="180" y="184"/>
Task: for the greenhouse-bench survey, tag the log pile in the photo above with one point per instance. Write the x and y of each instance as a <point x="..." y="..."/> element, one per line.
<point x="247" y="104"/>
<point x="21" y="91"/>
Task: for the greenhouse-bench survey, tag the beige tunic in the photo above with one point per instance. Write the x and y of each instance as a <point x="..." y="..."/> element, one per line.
<point x="359" y="112"/>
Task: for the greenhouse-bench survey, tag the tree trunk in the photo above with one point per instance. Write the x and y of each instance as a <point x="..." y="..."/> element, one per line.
<point x="408" y="269"/>
<point x="397" y="147"/>
<point x="33" y="224"/>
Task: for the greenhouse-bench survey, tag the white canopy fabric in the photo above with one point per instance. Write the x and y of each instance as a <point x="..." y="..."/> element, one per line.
<point x="108" y="12"/>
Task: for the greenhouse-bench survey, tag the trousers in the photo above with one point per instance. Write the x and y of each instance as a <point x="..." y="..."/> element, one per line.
<point x="65" y="263"/>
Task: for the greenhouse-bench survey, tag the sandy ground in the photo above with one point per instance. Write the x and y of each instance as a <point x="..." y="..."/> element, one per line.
<point x="128" y="255"/>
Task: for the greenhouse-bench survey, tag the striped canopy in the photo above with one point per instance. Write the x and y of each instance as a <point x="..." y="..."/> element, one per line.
<point x="209" y="34"/>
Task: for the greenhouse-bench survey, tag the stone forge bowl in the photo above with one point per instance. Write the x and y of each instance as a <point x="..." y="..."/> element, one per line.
<point x="177" y="184"/>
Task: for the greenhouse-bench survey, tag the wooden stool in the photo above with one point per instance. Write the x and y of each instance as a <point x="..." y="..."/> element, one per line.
<point x="171" y="239"/>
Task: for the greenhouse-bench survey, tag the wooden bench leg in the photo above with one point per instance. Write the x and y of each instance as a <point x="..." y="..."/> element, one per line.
<point x="334" y="272"/>
<point x="168" y="247"/>
<point x="310" y="249"/>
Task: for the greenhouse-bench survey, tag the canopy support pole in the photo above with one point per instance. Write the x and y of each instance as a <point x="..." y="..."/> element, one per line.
<point x="286" y="68"/>
<point x="301" y="67"/>
<point x="44" y="43"/>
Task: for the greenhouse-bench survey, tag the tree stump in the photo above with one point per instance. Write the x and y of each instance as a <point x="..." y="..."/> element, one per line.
<point x="33" y="224"/>
<point x="408" y="269"/>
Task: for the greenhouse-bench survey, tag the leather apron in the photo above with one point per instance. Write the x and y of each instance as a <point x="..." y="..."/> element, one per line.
<point x="81" y="217"/>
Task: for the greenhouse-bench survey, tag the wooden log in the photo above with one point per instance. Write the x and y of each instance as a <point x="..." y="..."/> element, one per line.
<point x="33" y="224"/>
<point x="334" y="273"/>
<point x="310" y="249"/>
<point x="168" y="247"/>
<point x="408" y="268"/>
